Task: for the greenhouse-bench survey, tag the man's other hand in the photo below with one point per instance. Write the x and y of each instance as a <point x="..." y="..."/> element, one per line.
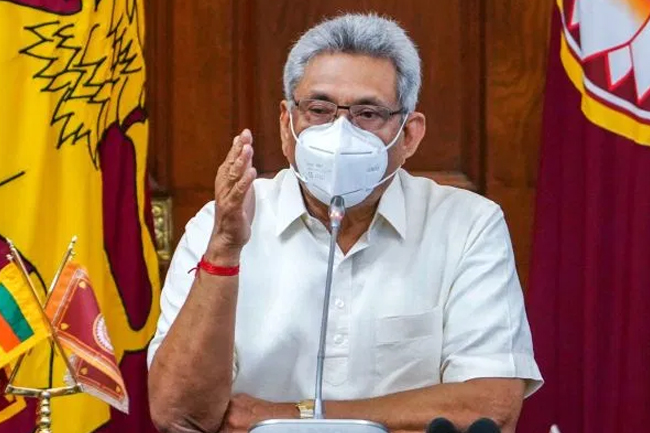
<point x="245" y="411"/>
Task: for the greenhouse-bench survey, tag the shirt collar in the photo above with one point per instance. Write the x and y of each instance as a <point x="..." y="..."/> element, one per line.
<point x="290" y="203"/>
<point x="392" y="205"/>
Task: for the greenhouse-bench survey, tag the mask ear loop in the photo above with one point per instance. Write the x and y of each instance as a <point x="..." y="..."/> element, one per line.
<point x="295" y="169"/>
<point x="386" y="179"/>
<point x="293" y="131"/>
<point x="401" y="128"/>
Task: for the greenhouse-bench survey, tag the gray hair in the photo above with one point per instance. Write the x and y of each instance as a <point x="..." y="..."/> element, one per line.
<point x="370" y="35"/>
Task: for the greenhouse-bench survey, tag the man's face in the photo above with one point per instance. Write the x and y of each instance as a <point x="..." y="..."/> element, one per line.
<point x="347" y="79"/>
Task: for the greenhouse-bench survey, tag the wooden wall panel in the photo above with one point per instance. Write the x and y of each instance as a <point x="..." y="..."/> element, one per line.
<point x="191" y="88"/>
<point x="448" y="36"/>
<point x="516" y="50"/>
<point x="158" y="65"/>
<point x="216" y="67"/>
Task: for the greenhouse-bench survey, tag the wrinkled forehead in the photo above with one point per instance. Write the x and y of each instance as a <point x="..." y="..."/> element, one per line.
<point x="349" y="79"/>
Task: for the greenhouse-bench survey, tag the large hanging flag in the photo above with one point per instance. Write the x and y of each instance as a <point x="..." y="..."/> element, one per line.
<point x="589" y="291"/>
<point x="73" y="144"/>
<point x="21" y="318"/>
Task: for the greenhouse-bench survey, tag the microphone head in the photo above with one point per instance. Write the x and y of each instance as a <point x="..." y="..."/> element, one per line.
<point x="441" y="425"/>
<point x="484" y="425"/>
<point x="336" y="211"/>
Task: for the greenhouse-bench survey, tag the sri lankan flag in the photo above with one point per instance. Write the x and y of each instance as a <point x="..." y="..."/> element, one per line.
<point x="73" y="151"/>
<point x="21" y="318"/>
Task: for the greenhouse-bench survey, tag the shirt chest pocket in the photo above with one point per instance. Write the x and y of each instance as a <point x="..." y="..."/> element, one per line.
<point x="408" y="351"/>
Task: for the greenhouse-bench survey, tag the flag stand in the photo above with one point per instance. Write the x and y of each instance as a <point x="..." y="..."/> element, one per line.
<point x="44" y="395"/>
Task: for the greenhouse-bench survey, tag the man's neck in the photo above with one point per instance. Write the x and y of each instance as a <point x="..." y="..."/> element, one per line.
<point x="357" y="219"/>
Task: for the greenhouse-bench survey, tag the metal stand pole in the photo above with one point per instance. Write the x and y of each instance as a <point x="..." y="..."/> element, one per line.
<point x="43" y="413"/>
<point x="44" y="410"/>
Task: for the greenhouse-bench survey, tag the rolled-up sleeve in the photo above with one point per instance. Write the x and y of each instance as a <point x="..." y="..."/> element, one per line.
<point x="486" y="332"/>
<point x="179" y="280"/>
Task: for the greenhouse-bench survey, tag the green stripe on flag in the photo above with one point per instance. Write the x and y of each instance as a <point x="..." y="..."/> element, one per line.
<point x="12" y="314"/>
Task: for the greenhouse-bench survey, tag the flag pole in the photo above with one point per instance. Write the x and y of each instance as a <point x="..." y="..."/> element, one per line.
<point x="66" y="257"/>
<point x="44" y="396"/>
<point x="55" y="338"/>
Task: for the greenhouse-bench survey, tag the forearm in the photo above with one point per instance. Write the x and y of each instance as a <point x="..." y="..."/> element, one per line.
<point x="461" y="403"/>
<point x="191" y="374"/>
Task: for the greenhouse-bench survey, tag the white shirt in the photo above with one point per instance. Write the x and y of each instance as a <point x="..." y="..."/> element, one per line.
<point x="428" y="295"/>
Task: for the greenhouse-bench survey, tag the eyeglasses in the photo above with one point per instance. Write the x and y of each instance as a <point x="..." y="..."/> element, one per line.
<point x="368" y="117"/>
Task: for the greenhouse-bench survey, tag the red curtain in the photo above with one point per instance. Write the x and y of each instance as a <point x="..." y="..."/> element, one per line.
<point x="589" y="294"/>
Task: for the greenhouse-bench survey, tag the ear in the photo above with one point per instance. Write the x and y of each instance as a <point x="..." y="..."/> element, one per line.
<point x="414" y="131"/>
<point x="285" y="131"/>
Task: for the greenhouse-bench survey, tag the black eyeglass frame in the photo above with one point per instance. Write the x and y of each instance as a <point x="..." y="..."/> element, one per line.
<point x="390" y="113"/>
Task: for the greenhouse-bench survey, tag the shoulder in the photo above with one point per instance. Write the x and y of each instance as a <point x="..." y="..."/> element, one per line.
<point x="454" y="205"/>
<point x="268" y="188"/>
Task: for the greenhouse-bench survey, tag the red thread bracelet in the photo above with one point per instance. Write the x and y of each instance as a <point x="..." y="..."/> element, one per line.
<point x="222" y="271"/>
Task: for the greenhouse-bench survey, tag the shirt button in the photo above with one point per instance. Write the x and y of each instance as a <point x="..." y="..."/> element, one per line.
<point x="339" y="303"/>
<point x="338" y="339"/>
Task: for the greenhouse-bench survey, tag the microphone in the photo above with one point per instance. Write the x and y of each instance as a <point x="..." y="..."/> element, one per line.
<point x="484" y="425"/>
<point x="336" y="212"/>
<point x="441" y="425"/>
<point x="319" y="424"/>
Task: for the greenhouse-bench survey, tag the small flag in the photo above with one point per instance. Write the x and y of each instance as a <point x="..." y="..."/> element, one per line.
<point x="81" y="329"/>
<point x="22" y="325"/>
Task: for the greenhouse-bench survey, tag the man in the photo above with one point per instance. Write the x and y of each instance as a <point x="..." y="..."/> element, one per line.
<point x="427" y="315"/>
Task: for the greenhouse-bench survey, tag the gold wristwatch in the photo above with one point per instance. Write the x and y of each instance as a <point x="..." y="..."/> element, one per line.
<point x="306" y="408"/>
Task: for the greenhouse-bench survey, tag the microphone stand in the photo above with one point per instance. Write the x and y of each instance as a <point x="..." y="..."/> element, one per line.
<point x="319" y="424"/>
<point x="336" y="214"/>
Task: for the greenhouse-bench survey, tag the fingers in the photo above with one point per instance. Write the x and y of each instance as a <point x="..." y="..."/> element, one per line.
<point x="246" y="136"/>
<point x="242" y="185"/>
<point x="240" y="415"/>
<point x="235" y="166"/>
<point x="237" y="143"/>
<point x="232" y="192"/>
<point x="241" y="163"/>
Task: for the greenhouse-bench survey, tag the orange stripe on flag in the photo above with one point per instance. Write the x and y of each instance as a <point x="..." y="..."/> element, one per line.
<point x="56" y="297"/>
<point x="8" y="340"/>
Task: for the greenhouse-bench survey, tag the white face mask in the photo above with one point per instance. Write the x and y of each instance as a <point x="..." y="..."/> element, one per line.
<point x="341" y="159"/>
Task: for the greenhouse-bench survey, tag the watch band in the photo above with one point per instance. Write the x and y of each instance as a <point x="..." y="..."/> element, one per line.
<point x="306" y="409"/>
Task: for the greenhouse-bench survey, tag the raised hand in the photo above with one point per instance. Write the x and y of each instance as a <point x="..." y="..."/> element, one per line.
<point x="234" y="201"/>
